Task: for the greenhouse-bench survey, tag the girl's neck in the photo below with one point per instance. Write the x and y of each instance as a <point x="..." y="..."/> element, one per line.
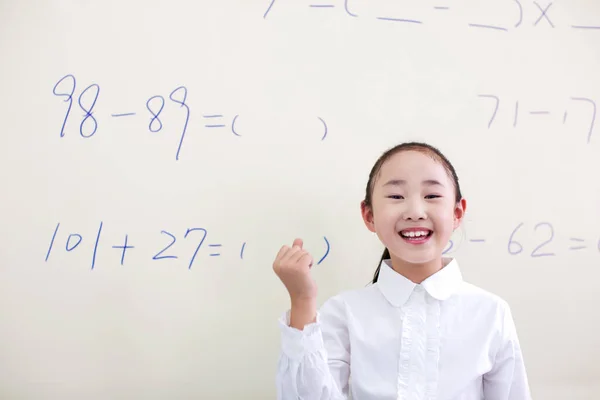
<point x="416" y="273"/>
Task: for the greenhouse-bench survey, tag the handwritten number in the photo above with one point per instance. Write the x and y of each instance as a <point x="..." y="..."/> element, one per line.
<point x="69" y="98"/>
<point x="89" y="111"/>
<point x="187" y="113"/>
<point x="54" y="238"/>
<point x="77" y="237"/>
<point x="534" y="252"/>
<point x="515" y="247"/>
<point x="497" y="104"/>
<point x="158" y="256"/>
<point x="268" y="9"/>
<point x="512" y="242"/>
<point x="155" y="115"/>
<point x="199" y="244"/>
<point x="593" y="104"/>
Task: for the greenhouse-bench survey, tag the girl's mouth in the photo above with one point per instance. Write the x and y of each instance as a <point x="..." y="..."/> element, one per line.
<point x="418" y="236"/>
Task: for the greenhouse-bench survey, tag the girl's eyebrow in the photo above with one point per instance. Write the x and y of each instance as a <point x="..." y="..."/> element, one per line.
<point x="401" y="182"/>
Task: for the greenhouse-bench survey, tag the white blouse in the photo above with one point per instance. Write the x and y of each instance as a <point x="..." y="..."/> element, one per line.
<point x="443" y="339"/>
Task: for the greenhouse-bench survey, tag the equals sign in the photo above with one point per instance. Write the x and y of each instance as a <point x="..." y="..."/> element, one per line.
<point x="214" y="254"/>
<point x="213" y="117"/>
<point x="123" y="114"/>
<point x="577" y="240"/>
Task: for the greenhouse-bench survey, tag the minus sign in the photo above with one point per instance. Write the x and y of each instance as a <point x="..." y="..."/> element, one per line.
<point x="412" y="21"/>
<point x="477" y="240"/>
<point x="585" y="27"/>
<point x="122" y="115"/>
<point x="441" y="8"/>
<point x="488" y="27"/>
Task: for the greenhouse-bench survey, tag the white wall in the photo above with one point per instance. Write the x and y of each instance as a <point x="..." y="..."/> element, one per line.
<point x="279" y="73"/>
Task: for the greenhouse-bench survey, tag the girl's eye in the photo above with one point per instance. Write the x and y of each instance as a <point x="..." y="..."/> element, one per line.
<point x="395" y="196"/>
<point x="432" y="196"/>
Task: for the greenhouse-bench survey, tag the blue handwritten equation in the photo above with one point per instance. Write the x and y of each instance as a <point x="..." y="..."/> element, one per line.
<point x="66" y="87"/>
<point x="544" y="241"/>
<point x="542" y="13"/>
<point x="168" y="250"/>
<point x="519" y="112"/>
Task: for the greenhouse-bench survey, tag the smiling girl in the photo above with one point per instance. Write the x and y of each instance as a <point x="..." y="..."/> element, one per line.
<point x="419" y="331"/>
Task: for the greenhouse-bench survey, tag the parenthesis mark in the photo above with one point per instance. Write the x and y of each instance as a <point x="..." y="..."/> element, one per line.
<point x="324" y="125"/>
<point x="233" y="126"/>
<point x="326" y="252"/>
<point x="593" y="114"/>
<point x="242" y="251"/>
<point x="520" y="13"/>
<point x="348" y="10"/>
<point x="269" y="9"/>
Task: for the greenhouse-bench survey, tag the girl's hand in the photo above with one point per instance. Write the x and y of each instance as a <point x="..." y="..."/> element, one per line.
<point x="292" y="265"/>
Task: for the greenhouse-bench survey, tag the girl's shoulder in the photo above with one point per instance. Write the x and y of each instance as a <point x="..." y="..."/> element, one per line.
<point x="348" y="299"/>
<point x="476" y="293"/>
<point x="479" y="301"/>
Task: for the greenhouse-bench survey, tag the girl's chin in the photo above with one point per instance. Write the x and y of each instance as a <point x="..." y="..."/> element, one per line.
<point x="414" y="254"/>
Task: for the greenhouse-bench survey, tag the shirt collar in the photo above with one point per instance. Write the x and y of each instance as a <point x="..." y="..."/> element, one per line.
<point x="397" y="288"/>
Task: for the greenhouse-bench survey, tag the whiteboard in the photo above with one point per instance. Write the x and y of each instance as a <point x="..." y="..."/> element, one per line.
<point x="155" y="156"/>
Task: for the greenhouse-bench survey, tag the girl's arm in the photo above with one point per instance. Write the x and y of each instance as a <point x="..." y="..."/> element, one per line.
<point x="508" y="378"/>
<point x="314" y="362"/>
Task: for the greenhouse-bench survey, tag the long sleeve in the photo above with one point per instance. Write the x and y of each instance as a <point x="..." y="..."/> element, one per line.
<point x="314" y="363"/>
<point x="508" y="378"/>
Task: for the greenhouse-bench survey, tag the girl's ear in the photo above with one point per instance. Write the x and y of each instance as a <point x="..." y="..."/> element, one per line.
<point x="367" y="214"/>
<point x="459" y="212"/>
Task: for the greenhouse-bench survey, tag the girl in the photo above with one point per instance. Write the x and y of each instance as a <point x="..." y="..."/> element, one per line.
<point x="419" y="332"/>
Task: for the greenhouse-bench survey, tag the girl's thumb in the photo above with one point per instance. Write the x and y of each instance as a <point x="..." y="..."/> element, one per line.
<point x="298" y="242"/>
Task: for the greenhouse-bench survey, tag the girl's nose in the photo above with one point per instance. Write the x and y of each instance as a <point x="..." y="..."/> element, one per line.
<point x="414" y="211"/>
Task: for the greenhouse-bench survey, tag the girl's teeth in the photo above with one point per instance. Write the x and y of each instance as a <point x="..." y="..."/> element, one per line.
<point x="415" y="234"/>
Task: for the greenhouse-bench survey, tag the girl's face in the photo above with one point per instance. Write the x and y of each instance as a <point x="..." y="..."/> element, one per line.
<point x="414" y="211"/>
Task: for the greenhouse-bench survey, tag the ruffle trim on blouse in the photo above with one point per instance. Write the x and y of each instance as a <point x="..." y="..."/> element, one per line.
<point x="420" y="348"/>
<point x="298" y="343"/>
